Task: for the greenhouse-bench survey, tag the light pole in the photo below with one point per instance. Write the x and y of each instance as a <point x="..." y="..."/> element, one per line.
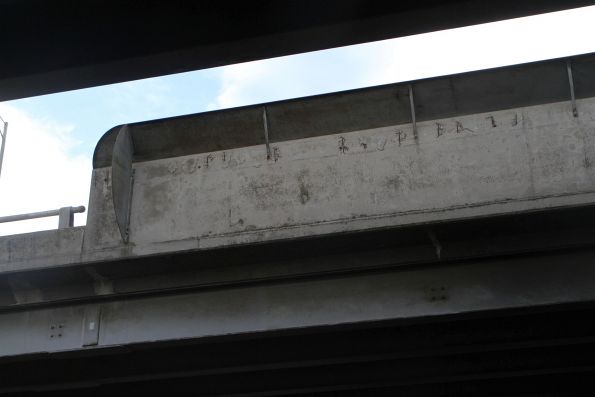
<point x="3" y="132"/>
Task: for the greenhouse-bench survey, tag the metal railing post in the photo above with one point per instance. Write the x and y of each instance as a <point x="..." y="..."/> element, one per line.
<point x="65" y="217"/>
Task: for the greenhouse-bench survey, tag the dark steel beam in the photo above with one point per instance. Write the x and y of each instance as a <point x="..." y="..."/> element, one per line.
<point x="392" y="355"/>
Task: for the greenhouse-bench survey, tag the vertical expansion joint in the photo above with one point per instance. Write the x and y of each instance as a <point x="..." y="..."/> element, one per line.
<point x="123" y="180"/>
<point x="129" y="205"/>
<point x="265" y="121"/>
<point x="571" y="84"/>
<point x="3" y="133"/>
<point x="412" y="107"/>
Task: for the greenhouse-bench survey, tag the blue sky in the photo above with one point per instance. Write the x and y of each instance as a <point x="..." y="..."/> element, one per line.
<point x="66" y="126"/>
<point x="93" y="111"/>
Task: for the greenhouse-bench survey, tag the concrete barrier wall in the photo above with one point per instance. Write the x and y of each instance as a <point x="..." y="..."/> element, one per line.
<point x="475" y="165"/>
<point x="486" y="143"/>
<point x="483" y="164"/>
<point x="318" y="177"/>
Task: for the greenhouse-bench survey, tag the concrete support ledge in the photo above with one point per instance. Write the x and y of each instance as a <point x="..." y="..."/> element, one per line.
<point x="44" y="249"/>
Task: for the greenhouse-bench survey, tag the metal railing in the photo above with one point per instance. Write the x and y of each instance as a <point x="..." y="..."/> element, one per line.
<point x="65" y="216"/>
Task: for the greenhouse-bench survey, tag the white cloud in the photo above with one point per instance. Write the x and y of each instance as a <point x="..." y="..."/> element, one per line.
<point x="288" y="77"/>
<point x="148" y="97"/>
<point x="495" y="44"/>
<point x="268" y="80"/>
<point x="409" y="58"/>
<point x="38" y="173"/>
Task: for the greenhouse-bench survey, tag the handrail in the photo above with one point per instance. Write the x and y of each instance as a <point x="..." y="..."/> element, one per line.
<point x="65" y="216"/>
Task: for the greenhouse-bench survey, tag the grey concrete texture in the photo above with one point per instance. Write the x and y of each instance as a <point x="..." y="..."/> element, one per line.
<point x="474" y="165"/>
<point x="333" y="173"/>
<point x="41" y="249"/>
<point x="500" y="283"/>
<point x="482" y="164"/>
<point x="486" y="143"/>
<point x="436" y="98"/>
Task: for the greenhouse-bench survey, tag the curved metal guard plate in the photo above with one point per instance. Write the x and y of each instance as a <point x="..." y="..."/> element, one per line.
<point x="122" y="177"/>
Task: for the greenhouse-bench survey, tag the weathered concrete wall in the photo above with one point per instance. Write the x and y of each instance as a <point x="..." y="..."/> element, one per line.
<point x="474" y="165"/>
<point x="361" y="174"/>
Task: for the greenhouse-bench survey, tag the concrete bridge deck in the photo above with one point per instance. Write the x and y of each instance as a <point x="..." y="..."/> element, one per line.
<point x="377" y="212"/>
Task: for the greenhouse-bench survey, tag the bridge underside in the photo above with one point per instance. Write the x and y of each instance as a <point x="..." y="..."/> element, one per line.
<point x="62" y="45"/>
<point x="476" y="307"/>
<point x="543" y="353"/>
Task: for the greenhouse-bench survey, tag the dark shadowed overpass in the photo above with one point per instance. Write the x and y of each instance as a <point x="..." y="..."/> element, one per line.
<point x="52" y="46"/>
